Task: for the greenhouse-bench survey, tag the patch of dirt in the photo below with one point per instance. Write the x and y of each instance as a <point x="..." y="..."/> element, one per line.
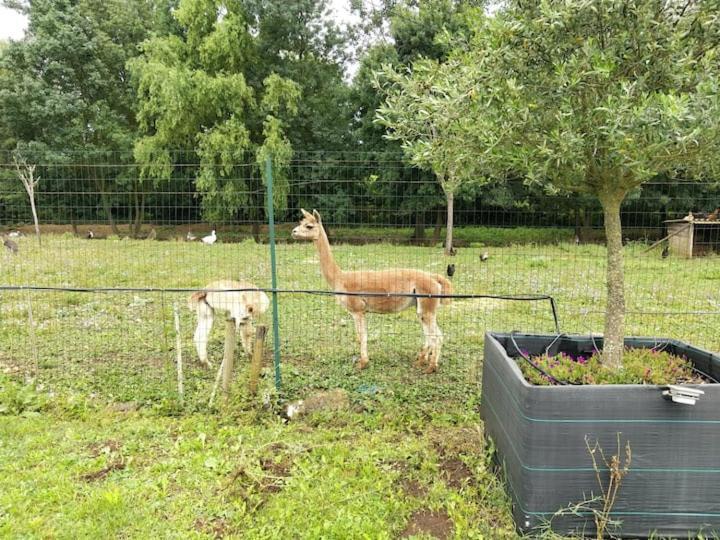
<point x="104" y="447"/>
<point x="126" y="406"/>
<point x="436" y="524"/>
<point x="116" y="465"/>
<point x="217" y="527"/>
<point x="455" y="473"/>
<point x="413" y="488"/>
<point x="458" y="441"/>
<point x="276" y="471"/>
<point x="450" y="445"/>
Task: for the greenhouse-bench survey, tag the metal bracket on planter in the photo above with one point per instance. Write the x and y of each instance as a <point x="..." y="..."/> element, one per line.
<point x="682" y="394"/>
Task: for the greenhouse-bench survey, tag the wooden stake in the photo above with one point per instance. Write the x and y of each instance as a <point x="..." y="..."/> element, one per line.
<point x="666" y="238"/>
<point x="33" y="337"/>
<point x="217" y="383"/>
<point x="178" y="355"/>
<point x="256" y="361"/>
<point x="228" y="356"/>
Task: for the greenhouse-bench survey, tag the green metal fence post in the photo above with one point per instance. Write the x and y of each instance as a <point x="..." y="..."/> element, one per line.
<point x="273" y="273"/>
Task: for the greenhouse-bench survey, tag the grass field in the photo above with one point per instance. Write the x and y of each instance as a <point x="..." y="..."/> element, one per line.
<point x="103" y="448"/>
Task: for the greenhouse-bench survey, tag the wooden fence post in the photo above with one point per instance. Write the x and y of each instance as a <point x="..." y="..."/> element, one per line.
<point x="256" y="362"/>
<point x="178" y="355"/>
<point x="228" y="356"/>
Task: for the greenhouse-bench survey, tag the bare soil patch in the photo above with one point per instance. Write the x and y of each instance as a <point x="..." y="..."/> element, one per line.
<point x="424" y="521"/>
<point x="216" y="527"/>
<point x="104" y="447"/>
<point x="456" y="473"/>
<point x="115" y="465"/>
<point x="413" y="488"/>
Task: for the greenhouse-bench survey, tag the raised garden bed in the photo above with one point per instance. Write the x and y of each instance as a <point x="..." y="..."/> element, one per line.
<point x="539" y="432"/>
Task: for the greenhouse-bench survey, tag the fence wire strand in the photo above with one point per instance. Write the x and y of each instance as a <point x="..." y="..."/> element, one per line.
<point x="117" y="252"/>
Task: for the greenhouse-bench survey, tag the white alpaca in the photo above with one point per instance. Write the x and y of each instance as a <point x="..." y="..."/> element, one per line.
<point x="210" y="238"/>
<point x="242" y="307"/>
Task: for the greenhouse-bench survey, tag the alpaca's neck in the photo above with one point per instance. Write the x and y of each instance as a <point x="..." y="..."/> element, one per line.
<point x="329" y="268"/>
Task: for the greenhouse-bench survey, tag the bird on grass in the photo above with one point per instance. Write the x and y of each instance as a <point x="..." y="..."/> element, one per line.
<point x="190" y="237"/>
<point x="577" y="240"/>
<point x="10" y="245"/>
<point x="15" y="234"/>
<point x="210" y="238"/>
<point x="90" y="235"/>
<point x="450" y="270"/>
<point x="485" y="256"/>
<point x="665" y="252"/>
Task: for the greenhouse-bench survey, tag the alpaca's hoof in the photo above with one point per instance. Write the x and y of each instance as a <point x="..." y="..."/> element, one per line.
<point x="362" y="363"/>
<point x="422" y="359"/>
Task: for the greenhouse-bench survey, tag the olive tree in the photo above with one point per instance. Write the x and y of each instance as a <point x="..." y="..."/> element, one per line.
<point x="596" y="97"/>
<point x="425" y="111"/>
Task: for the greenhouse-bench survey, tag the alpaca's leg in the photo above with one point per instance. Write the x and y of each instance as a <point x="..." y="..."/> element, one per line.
<point x="437" y="339"/>
<point x="422" y="357"/>
<point x="425" y="310"/>
<point x="427" y="353"/>
<point x="361" y="328"/>
<point x="429" y="356"/>
<point x="202" y="332"/>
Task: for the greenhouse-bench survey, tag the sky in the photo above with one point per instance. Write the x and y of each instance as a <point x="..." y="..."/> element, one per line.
<point x="12" y="24"/>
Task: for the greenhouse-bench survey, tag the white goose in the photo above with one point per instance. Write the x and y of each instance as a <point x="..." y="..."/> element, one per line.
<point x="209" y="239"/>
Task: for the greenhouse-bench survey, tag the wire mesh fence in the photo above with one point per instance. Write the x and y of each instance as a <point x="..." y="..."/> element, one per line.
<point x="121" y="247"/>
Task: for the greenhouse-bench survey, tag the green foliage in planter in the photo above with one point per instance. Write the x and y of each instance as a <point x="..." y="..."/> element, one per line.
<point x="640" y="366"/>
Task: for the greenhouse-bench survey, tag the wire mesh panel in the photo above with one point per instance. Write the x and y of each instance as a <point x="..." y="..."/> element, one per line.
<point x="109" y="223"/>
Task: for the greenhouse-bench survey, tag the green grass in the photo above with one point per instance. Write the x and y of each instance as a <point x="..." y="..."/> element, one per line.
<point x="71" y="465"/>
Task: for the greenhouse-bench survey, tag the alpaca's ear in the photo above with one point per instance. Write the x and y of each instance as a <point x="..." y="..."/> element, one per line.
<point x="316" y="215"/>
<point x="305" y="213"/>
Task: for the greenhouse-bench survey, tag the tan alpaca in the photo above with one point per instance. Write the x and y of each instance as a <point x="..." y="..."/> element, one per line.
<point x="242" y="306"/>
<point x="399" y="281"/>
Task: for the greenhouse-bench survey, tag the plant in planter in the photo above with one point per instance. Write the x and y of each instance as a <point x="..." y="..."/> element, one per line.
<point x="539" y="432"/>
<point x="596" y="97"/>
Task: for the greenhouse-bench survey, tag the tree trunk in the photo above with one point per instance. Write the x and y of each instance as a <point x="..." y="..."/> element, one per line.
<point x="449" y="231"/>
<point x="108" y="210"/>
<point x="438" y="226"/>
<point x="615" y="308"/>
<point x="576" y="213"/>
<point x="35" y="217"/>
<point x="256" y="231"/>
<point x="139" y="213"/>
<point x="419" y="232"/>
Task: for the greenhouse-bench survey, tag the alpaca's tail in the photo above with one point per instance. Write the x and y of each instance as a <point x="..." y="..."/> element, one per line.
<point x="446" y="288"/>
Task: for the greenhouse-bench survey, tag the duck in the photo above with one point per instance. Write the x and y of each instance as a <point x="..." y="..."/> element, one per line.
<point x="210" y="239"/>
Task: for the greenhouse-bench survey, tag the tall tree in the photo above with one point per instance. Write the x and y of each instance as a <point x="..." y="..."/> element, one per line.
<point x="596" y="97"/>
<point x="64" y="86"/>
<point x="425" y="111"/>
<point x="246" y="80"/>
<point x="405" y="31"/>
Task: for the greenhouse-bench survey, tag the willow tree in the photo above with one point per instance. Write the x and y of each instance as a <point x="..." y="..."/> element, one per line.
<point x="200" y="92"/>
<point x="597" y="97"/>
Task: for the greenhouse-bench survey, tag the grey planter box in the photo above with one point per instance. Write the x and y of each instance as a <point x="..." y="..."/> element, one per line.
<point x="673" y="487"/>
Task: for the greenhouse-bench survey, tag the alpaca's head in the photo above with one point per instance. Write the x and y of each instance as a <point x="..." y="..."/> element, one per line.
<point x="309" y="227"/>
